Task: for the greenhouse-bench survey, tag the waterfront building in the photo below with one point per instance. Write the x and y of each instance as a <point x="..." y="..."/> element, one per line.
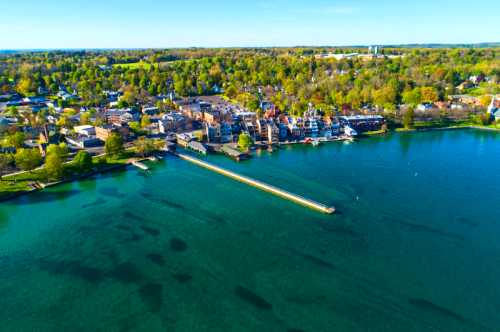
<point x="273" y="133"/>
<point x="362" y="123"/>
<point x="311" y="128"/>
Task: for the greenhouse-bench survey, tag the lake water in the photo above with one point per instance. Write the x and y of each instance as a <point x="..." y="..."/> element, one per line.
<point x="415" y="245"/>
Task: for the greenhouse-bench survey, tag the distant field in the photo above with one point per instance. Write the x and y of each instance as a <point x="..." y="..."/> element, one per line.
<point x="134" y="65"/>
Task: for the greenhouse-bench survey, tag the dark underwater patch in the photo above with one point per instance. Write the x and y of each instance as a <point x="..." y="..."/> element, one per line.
<point x="252" y="298"/>
<point x="162" y="201"/>
<point x="150" y="230"/>
<point x="178" y="245"/>
<point x="330" y="227"/>
<point x="132" y="216"/>
<point x="73" y="269"/>
<point x="97" y="202"/>
<point x="295" y="330"/>
<point x="318" y="261"/>
<point x="124" y="228"/>
<point x="134" y="237"/>
<point x="427" y="229"/>
<point x="111" y="192"/>
<point x="182" y="278"/>
<point x="126" y="273"/>
<point x="431" y="307"/>
<point x="468" y="222"/>
<point x="156" y="259"/>
<point x="151" y="295"/>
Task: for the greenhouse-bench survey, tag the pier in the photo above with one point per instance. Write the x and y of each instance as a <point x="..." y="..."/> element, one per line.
<point x="261" y="185"/>
<point x="140" y="165"/>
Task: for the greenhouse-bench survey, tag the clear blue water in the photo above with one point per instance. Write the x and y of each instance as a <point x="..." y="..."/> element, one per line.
<point x="414" y="246"/>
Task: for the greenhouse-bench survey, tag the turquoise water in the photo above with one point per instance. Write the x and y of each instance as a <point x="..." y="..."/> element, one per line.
<point x="414" y="247"/>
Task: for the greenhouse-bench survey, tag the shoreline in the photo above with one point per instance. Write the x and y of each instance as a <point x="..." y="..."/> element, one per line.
<point x="69" y="180"/>
<point x="129" y="163"/>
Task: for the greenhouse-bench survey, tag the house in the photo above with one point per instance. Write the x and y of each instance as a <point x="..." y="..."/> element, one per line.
<point x="117" y="116"/>
<point x="226" y="132"/>
<point x="283" y="131"/>
<point x="425" y="107"/>
<point x="64" y="95"/>
<point x="494" y="108"/>
<point x="273" y="133"/>
<point x="497" y="116"/>
<point x="152" y="110"/>
<point x="86" y="130"/>
<point x="262" y="128"/>
<point x="212" y="132"/>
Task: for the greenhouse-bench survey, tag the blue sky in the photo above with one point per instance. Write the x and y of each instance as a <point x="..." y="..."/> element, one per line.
<point x="180" y="23"/>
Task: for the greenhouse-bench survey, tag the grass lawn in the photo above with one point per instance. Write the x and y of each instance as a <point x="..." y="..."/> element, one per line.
<point x="14" y="184"/>
<point x="134" y="65"/>
<point x="9" y="187"/>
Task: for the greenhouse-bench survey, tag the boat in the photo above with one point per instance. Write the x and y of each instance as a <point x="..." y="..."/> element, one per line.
<point x="350" y="132"/>
<point x="315" y="142"/>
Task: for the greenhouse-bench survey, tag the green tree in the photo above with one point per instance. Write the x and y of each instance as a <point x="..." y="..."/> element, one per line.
<point x="244" y="142"/>
<point x="412" y="97"/>
<point x="429" y="94"/>
<point x="83" y="161"/>
<point x="16" y="139"/>
<point x="408" y="118"/>
<point x="54" y="168"/>
<point x="5" y="162"/>
<point x="145" y="121"/>
<point x="144" y="146"/>
<point x="114" y="145"/>
<point x="28" y="159"/>
<point x="61" y="150"/>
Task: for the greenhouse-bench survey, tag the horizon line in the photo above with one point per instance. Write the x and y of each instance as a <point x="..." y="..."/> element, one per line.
<point x="391" y="45"/>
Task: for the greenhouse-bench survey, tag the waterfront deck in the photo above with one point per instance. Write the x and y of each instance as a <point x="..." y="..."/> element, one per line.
<point x="261" y="185"/>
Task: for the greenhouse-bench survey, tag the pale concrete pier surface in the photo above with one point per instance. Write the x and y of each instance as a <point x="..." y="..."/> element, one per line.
<point x="261" y="185"/>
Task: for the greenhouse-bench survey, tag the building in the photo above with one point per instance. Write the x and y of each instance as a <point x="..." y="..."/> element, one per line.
<point x="425" y="107"/>
<point x="103" y="132"/>
<point x="311" y="127"/>
<point x="361" y="123"/>
<point x="86" y="130"/>
<point x="83" y="142"/>
<point x="125" y="115"/>
<point x="273" y="133"/>
<point x="152" y="110"/>
<point x="172" y="122"/>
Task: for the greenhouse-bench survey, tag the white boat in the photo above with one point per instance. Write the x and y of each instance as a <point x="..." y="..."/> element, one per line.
<point x="348" y="131"/>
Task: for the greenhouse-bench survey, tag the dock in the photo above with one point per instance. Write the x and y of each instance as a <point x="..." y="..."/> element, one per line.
<point x="140" y="165"/>
<point x="261" y="185"/>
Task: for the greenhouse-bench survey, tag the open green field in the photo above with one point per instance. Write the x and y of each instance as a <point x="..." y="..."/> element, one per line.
<point x="134" y="65"/>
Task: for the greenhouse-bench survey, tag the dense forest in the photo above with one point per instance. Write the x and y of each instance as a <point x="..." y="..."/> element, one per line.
<point x="291" y="78"/>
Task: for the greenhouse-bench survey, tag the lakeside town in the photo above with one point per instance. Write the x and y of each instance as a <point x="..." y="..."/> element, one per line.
<point x="52" y="131"/>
